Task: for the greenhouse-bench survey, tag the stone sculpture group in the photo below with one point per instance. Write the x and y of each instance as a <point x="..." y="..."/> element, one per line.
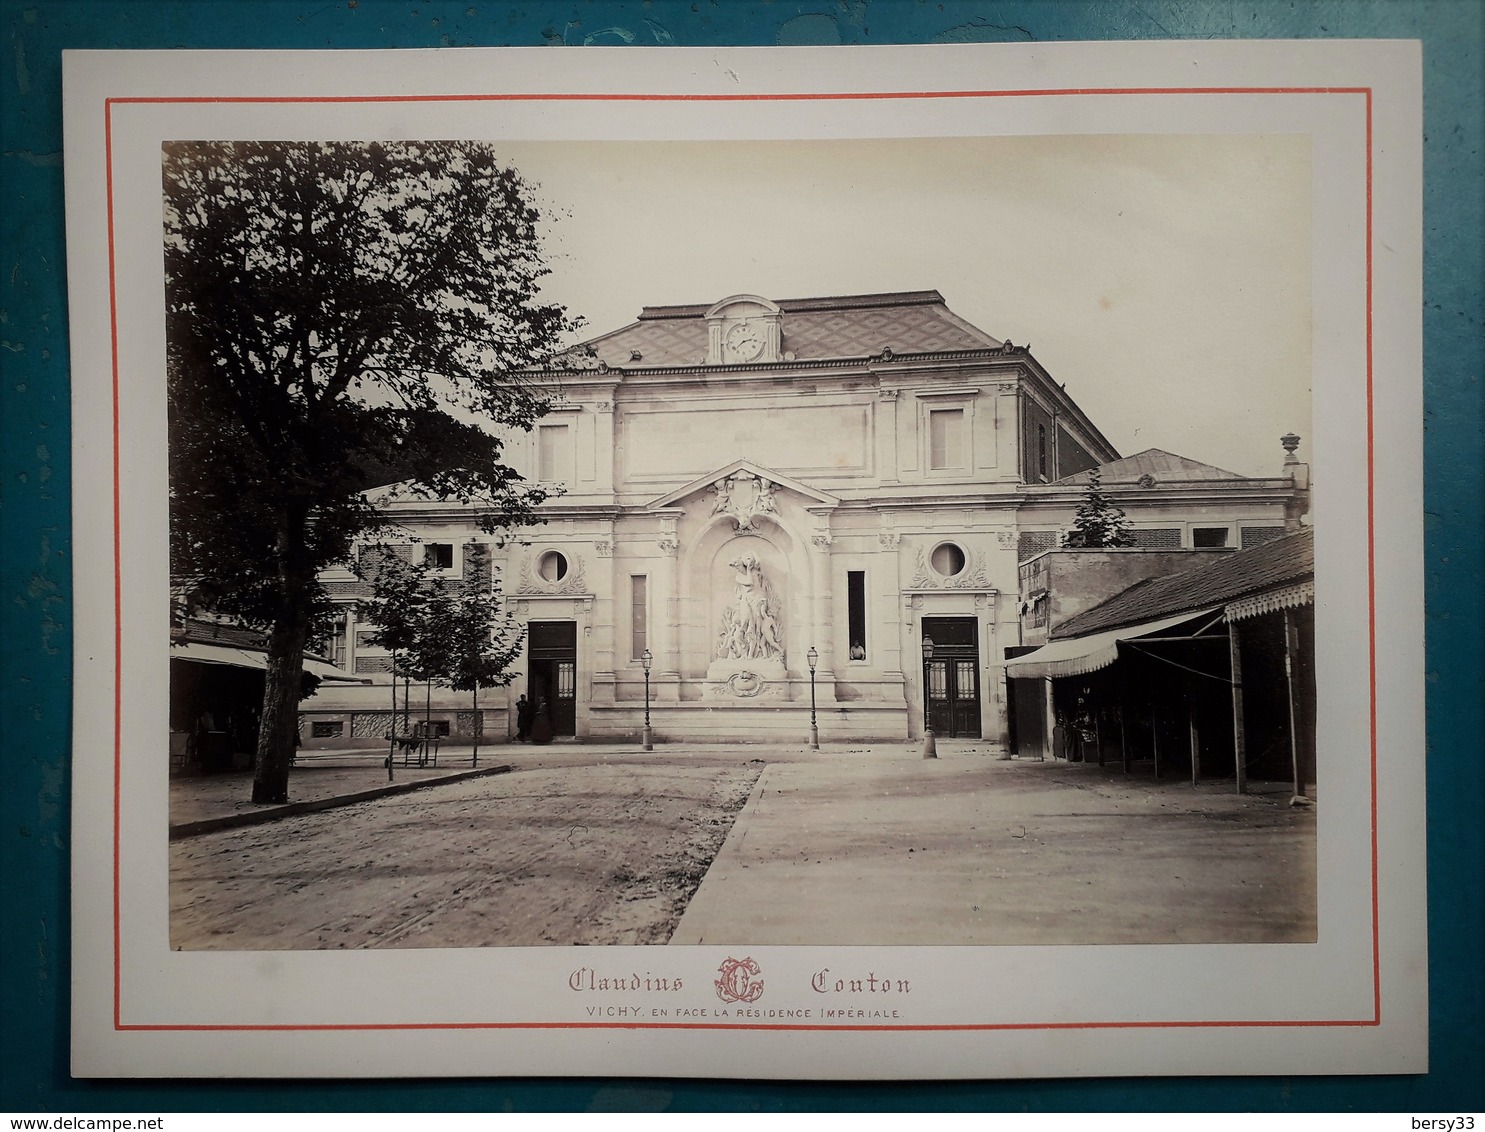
<point x="750" y="623"/>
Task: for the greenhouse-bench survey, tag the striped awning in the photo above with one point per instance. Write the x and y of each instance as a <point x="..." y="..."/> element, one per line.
<point x="252" y="658"/>
<point x="1080" y="655"/>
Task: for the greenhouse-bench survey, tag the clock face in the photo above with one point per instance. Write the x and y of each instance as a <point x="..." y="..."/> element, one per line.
<point x="744" y="342"/>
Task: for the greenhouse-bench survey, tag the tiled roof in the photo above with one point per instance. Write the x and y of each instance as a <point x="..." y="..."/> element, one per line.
<point x="1283" y="562"/>
<point x="1159" y="465"/>
<point x="813" y="329"/>
<point x="197" y="630"/>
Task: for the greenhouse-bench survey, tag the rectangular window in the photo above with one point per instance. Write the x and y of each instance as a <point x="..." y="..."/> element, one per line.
<point x="1041" y="451"/>
<point x="554" y="457"/>
<point x="639" y="616"/>
<point x="326" y="729"/>
<point x="856" y="613"/>
<point x="945" y="438"/>
<point x="1208" y="536"/>
<point x="439" y="555"/>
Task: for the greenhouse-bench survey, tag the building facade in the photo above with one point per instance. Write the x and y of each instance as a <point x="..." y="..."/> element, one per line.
<point x="777" y="501"/>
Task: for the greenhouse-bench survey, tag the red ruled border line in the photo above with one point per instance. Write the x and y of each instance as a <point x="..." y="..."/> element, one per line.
<point x="108" y="105"/>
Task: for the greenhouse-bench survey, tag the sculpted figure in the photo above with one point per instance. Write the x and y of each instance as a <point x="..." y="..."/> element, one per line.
<point x="750" y="623"/>
<point x="721" y="498"/>
<point x="765" y="497"/>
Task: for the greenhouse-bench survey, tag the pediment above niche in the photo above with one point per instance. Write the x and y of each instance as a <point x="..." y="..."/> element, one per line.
<point x="743" y="491"/>
<point x="743" y="329"/>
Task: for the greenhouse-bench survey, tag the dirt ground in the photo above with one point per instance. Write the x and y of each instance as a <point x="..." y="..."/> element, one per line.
<point x="537" y="856"/>
<point x="850" y="846"/>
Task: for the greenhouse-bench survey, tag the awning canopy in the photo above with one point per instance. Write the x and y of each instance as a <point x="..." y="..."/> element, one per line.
<point x="1088" y="654"/>
<point x="251" y="658"/>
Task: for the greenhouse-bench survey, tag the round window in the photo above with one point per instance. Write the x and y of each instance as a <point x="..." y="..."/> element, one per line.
<point x="947" y="559"/>
<point x="552" y="566"/>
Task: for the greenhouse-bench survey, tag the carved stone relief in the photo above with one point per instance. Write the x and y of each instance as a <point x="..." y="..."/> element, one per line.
<point x="744" y="497"/>
<point x="972" y="577"/>
<point x="750" y="628"/>
<point x="573" y="582"/>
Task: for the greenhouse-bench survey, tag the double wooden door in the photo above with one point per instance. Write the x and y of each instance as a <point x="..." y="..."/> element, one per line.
<point x="951" y="680"/>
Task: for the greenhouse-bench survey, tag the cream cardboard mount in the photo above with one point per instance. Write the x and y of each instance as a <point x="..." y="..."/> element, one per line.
<point x="692" y="180"/>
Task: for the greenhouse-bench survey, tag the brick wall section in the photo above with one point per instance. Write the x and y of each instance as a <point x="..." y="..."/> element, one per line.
<point x="1257" y="536"/>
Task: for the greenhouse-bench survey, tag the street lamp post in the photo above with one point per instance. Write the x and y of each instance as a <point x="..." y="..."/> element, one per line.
<point x="647" y="740"/>
<point x="930" y="748"/>
<point x="814" y="658"/>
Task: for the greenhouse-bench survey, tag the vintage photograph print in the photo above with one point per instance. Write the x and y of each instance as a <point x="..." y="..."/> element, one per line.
<point x="735" y="576"/>
<point x="749" y="563"/>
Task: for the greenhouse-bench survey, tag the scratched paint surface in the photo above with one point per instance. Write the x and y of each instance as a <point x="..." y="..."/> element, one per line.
<point x="35" y="439"/>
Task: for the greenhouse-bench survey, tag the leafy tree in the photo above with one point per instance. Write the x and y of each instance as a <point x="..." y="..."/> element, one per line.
<point x="482" y="646"/>
<point x="397" y="607"/>
<point x="338" y="316"/>
<point x="1098" y="522"/>
<point x="438" y="631"/>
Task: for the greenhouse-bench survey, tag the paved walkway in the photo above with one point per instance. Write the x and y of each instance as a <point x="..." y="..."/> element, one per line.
<point x="970" y="850"/>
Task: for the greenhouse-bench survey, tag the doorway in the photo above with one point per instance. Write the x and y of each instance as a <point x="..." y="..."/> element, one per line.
<point x="951" y="680"/>
<point x="552" y="672"/>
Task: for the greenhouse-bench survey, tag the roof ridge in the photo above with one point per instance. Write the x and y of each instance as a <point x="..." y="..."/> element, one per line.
<point x="820" y="303"/>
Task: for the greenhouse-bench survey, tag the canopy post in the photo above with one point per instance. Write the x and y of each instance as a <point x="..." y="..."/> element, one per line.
<point x="1239" y="735"/>
<point x="1195" y="743"/>
<point x="1123" y="737"/>
<point x="1049" y="722"/>
<point x="1290" y="676"/>
<point x="1155" y="736"/>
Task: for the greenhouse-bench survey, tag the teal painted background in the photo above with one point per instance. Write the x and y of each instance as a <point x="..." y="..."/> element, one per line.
<point x="35" y="609"/>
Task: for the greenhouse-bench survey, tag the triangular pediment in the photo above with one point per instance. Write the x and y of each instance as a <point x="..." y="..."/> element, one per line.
<point x="739" y="469"/>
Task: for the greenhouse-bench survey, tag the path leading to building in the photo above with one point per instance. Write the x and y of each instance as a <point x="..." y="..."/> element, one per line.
<point x="970" y="850"/>
<point x="855" y="844"/>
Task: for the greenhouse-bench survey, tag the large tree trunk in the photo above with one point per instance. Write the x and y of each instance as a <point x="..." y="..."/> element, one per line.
<point x="284" y="679"/>
<point x="279" y="733"/>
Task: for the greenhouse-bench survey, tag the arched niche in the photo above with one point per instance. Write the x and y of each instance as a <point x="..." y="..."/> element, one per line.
<point x="708" y="585"/>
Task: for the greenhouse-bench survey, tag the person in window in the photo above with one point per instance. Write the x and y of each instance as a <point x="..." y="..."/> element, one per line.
<point x="858" y="651"/>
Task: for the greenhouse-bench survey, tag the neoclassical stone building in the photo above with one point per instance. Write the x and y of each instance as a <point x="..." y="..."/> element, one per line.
<point x="749" y="482"/>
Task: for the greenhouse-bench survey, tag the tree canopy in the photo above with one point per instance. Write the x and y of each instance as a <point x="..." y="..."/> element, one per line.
<point x="338" y="316"/>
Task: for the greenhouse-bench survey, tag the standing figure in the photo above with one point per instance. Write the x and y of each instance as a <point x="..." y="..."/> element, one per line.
<point x="525" y="712"/>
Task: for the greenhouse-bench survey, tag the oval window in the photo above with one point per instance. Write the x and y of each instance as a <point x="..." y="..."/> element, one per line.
<point x="552" y="566"/>
<point x="947" y="559"/>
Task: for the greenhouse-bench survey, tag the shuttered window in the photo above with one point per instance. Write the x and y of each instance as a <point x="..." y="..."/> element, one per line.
<point x="946" y="439"/>
<point x="640" y="616"/>
<point x="555" y="453"/>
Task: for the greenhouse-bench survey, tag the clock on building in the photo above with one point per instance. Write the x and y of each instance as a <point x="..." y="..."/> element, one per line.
<point x="743" y="342"/>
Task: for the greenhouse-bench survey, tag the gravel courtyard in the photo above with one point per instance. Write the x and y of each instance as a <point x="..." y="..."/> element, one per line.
<point x="853" y="846"/>
<point x="596" y="853"/>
